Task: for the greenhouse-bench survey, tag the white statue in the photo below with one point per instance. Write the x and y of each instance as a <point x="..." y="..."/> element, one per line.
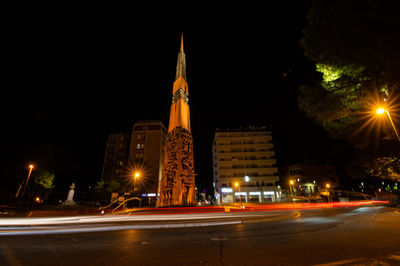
<point x="70" y="197"/>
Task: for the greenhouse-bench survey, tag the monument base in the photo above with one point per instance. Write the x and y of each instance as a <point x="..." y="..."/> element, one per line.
<point x="69" y="203"/>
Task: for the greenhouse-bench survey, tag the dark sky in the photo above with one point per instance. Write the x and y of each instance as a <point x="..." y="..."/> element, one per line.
<point x="73" y="80"/>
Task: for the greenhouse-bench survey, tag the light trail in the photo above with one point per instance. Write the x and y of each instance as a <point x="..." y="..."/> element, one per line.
<point x="118" y="218"/>
<point x="97" y="223"/>
<point x="93" y="229"/>
<point x="236" y="212"/>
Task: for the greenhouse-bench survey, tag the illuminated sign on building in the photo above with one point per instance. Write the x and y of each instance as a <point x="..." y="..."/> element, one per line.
<point x="226" y="190"/>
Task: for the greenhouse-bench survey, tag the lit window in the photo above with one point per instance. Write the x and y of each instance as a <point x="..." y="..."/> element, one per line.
<point x="138" y="147"/>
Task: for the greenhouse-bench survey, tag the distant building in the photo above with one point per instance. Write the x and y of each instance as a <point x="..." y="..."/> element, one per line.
<point x="115" y="158"/>
<point x="246" y="157"/>
<point x="312" y="177"/>
<point x="146" y="156"/>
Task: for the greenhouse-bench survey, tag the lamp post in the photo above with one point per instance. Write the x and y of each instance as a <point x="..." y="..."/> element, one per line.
<point x="327" y="193"/>
<point x="27" y="180"/>
<point x="136" y="175"/>
<point x="291" y="183"/>
<point x="381" y="111"/>
<point x="238" y="186"/>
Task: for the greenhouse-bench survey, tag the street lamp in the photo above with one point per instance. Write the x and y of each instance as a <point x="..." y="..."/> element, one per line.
<point x="237" y="185"/>
<point x="327" y="193"/>
<point x="381" y="111"/>
<point x="291" y="183"/>
<point x="27" y="180"/>
<point x="136" y="175"/>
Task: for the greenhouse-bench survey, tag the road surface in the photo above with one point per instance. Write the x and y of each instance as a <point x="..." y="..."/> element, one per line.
<point x="335" y="236"/>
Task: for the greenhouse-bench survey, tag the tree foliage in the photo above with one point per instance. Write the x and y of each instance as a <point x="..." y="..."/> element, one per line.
<point x="355" y="45"/>
<point x="386" y="167"/>
<point x="107" y="186"/>
<point x="45" y="179"/>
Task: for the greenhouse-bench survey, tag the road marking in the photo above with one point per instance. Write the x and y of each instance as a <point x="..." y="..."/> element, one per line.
<point x="10" y="256"/>
<point x="397" y="212"/>
<point x="73" y="238"/>
<point x="340" y="262"/>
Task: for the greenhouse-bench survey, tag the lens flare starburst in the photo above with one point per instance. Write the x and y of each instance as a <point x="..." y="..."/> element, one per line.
<point x="379" y="116"/>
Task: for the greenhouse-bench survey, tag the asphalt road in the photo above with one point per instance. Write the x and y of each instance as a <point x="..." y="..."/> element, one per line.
<point x="338" y="236"/>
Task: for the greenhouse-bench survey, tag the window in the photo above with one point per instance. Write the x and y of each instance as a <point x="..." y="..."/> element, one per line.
<point x="154" y="127"/>
<point x="138" y="146"/>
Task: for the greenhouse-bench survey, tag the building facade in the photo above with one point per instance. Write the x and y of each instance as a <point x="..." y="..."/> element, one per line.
<point x="115" y="158"/>
<point x="178" y="177"/>
<point x="244" y="166"/>
<point x="146" y="157"/>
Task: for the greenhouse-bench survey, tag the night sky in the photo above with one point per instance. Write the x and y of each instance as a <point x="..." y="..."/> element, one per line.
<point x="73" y="80"/>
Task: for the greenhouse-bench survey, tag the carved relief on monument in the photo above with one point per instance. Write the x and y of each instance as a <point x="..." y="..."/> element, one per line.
<point x="178" y="173"/>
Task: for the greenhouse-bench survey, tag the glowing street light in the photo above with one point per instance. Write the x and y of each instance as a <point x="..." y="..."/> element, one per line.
<point x="136" y="175"/>
<point x="237" y="185"/>
<point x="291" y="183"/>
<point x="27" y="180"/>
<point x="381" y="111"/>
<point x="327" y="193"/>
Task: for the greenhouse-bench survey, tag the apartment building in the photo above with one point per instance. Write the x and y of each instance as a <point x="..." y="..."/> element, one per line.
<point x="244" y="166"/>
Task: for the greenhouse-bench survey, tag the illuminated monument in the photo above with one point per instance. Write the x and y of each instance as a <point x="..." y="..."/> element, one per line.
<point x="177" y="182"/>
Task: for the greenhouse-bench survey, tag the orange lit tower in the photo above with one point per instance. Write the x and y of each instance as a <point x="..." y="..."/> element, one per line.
<point x="177" y="186"/>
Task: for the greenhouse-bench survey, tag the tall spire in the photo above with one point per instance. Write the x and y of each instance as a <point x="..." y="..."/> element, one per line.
<point x="182" y="42"/>
<point x="177" y="184"/>
<point x="181" y="64"/>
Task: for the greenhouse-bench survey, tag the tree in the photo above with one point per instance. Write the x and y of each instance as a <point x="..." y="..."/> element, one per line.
<point x="108" y="186"/>
<point x="387" y="167"/>
<point x="355" y="47"/>
<point x="99" y="186"/>
<point x="45" y="179"/>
